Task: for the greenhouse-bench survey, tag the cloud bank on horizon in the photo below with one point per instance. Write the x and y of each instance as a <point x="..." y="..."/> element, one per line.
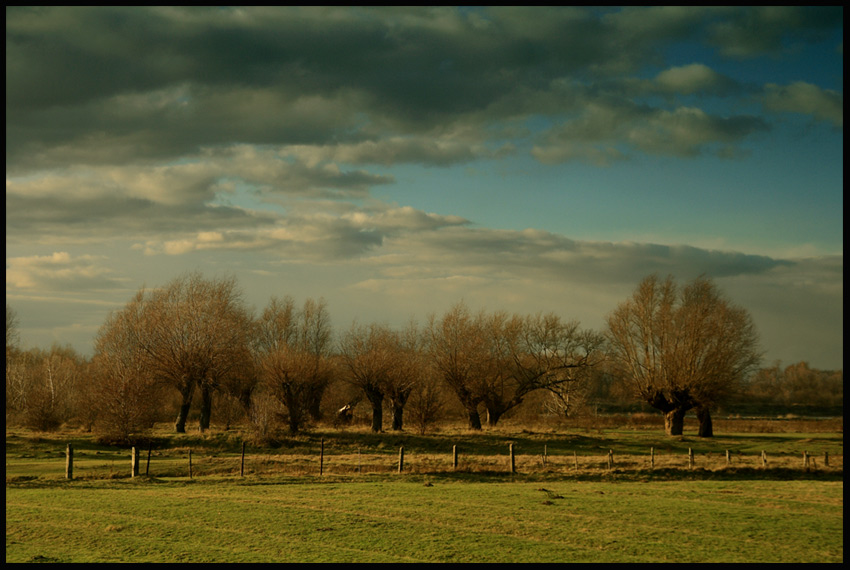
<point x="397" y="160"/>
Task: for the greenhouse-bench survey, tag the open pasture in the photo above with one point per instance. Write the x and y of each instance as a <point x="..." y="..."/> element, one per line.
<point x="338" y="496"/>
<point x="418" y="519"/>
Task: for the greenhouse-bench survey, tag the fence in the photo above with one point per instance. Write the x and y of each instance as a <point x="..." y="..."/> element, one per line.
<point x="179" y="462"/>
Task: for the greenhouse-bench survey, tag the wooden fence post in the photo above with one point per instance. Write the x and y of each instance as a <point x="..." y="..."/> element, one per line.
<point x="690" y="458"/>
<point x="575" y="460"/>
<point x="454" y="457"/>
<point x="826" y="459"/>
<point x="134" y="462"/>
<point x="652" y="458"/>
<point x="610" y="459"/>
<point x="513" y="461"/>
<point x="728" y="458"/>
<point x="148" y="464"/>
<point x="322" y="458"/>
<point x="359" y="467"/>
<point x="242" y="462"/>
<point x="69" y="462"/>
<point x="545" y="455"/>
<point x="763" y="459"/>
<point x="805" y="459"/>
<point x="401" y="459"/>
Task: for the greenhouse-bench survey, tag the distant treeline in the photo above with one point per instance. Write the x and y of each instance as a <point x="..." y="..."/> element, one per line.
<point x="773" y="391"/>
<point x="194" y="346"/>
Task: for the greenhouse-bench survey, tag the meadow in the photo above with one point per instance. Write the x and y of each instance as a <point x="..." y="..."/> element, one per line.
<point x="337" y="495"/>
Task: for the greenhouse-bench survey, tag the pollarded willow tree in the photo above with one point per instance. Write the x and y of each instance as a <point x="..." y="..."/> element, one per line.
<point x="408" y="371"/>
<point x="560" y="357"/>
<point x="193" y="333"/>
<point x="457" y="348"/>
<point x="293" y="353"/>
<point x="497" y="359"/>
<point x="383" y="363"/>
<point x="536" y="352"/>
<point x="366" y="352"/>
<point x="682" y="348"/>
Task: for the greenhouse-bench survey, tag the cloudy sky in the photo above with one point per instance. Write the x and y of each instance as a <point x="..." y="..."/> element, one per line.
<point x="396" y="161"/>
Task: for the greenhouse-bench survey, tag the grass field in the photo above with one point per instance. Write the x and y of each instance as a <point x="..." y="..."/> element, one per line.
<point x="361" y="509"/>
<point x="413" y="520"/>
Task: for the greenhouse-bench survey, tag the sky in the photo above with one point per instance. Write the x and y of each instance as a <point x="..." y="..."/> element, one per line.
<point x="396" y="161"/>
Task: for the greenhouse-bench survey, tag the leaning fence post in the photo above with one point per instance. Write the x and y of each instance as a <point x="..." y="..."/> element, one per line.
<point x="134" y="462"/>
<point x="69" y="462"/>
<point x="148" y="464"/>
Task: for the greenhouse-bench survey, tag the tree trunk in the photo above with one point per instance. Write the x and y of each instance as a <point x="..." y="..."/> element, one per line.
<point x="398" y="416"/>
<point x="705" y="426"/>
<point x="294" y="408"/>
<point x="674" y="421"/>
<point x="206" y="408"/>
<point x="474" y="417"/>
<point x="314" y="400"/>
<point x="376" y="398"/>
<point x="493" y="416"/>
<point x="245" y="396"/>
<point x="186" y="393"/>
<point x="294" y="422"/>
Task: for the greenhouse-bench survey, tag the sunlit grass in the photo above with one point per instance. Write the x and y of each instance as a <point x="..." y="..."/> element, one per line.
<point x="332" y="495"/>
<point x="415" y="519"/>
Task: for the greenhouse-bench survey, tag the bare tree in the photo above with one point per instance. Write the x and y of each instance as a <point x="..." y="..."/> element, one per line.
<point x="560" y="357"/>
<point x="457" y="348"/>
<point x="539" y="352"/>
<point x="14" y="368"/>
<point x="193" y="333"/>
<point x="12" y="326"/>
<point x="293" y="356"/>
<point x="426" y="401"/>
<point x="367" y="353"/>
<point x="406" y="372"/>
<point x="497" y="359"/>
<point x="41" y="386"/>
<point x="123" y="388"/>
<point x="682" y="349"/>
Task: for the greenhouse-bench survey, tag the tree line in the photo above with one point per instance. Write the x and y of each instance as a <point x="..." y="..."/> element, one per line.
<point x="195" y="342"/>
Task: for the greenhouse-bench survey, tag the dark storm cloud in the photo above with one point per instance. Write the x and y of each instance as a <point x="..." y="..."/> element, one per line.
<point x="552" y="256"/>
<point x="118" y="84"/>
<point x="104" y="217"/>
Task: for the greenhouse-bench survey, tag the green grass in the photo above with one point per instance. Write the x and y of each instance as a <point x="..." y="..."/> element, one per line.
<point x="283" y="511"/>
<point x="424" y="519"/>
